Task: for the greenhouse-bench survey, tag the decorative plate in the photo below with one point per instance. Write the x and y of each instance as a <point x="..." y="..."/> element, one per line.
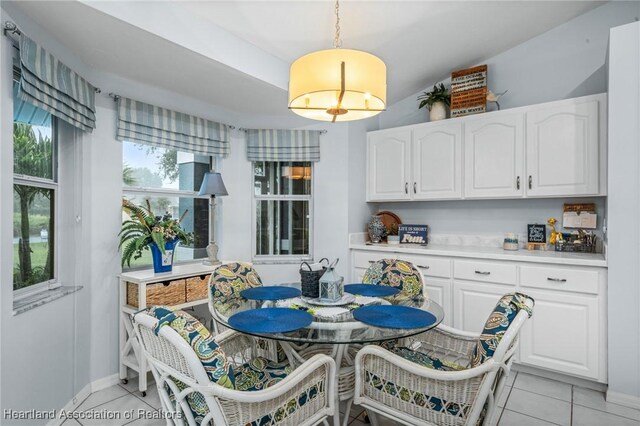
<point x="394" y="316"/>
<point x="270" y="320"/>
<point x="389" y="218"/>
<point x="272" y="292"/>
<point x="372" y="290"/>
<point x="344" y="300"/>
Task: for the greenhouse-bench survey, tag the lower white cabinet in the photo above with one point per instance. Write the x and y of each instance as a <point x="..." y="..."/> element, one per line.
<point x="564" y="333"/>
<point x="567" y="333"/>
<point x="474" y="301"/>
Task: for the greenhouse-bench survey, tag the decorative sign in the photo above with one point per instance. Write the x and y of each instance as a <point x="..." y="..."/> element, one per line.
<point x="413" y="234"/>
<point x="537" y="234"/>
<point x="582" y="216"/>
<point x="469" y="91"/>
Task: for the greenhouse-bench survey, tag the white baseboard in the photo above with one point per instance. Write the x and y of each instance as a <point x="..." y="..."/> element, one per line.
<point x="623" y="399"/>
<point x="95" y="386"/>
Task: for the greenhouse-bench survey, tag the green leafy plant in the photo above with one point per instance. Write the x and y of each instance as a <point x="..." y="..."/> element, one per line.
<point x="392" y="229"/>
<point x="438" y="94"/>
<point x="145" y="228"/>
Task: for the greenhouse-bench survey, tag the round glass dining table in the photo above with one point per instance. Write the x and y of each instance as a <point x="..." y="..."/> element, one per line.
<point x="339" y="335"/>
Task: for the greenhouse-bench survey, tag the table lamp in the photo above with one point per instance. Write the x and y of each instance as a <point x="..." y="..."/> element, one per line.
<point x="212" y="185"/>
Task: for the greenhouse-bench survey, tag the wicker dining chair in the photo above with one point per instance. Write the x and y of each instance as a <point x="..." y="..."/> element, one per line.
<point x="396" y="273"/>
<point x="204" y="380"/>
<point x="443" y="376"/>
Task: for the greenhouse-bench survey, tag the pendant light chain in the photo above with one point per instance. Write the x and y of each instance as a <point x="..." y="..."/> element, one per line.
<point x="337" y="42"/>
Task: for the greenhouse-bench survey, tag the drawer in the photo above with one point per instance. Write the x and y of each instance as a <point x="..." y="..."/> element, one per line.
<point x="485" y="271"/>
<point x="163" y="293"/>
<point x="362" y="259"/>
<point x="197" y="287"/>
<point x="565" y="279"/>
<point x="430" y="266"/>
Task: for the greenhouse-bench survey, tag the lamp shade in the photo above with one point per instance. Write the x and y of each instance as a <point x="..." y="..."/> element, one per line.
<point x="212" y="184"/>
<point x="316" y="81"/>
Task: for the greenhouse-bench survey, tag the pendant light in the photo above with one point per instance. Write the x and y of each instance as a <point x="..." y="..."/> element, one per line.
<point x="338" y="84"/>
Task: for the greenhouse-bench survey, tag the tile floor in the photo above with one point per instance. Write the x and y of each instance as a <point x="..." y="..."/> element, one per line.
<point x="526" y="401"/>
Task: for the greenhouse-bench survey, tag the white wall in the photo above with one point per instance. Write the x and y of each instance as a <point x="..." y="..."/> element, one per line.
<point x="623" y="207"/>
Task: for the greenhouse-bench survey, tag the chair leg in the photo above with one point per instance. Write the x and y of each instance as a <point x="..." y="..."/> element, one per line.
<point x="373" y="418"/>
<point x="336" y="418"/>
<point x="347" y="411"/>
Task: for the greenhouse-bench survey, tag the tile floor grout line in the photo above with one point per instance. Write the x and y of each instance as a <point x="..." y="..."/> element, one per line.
<point x="106" y="402"/>
<point x="541" y="394"/>
<point x="571" y="416"/>
<point x="609" y="412"/>
<point x="533" y="417"/>
<point x="505" y="401"/>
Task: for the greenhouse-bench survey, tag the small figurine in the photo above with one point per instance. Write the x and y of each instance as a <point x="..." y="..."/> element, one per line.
<point x="555" y="235"/>
<point x="492" y="97"/>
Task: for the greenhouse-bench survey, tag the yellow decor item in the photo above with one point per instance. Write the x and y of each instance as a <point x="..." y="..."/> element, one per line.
<point x="555" y="235"/>
<point x="338" y="84"/>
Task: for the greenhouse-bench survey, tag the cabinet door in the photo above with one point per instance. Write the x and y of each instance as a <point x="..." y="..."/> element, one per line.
<point x="494" y="151"/>
<point x="439" y="291"/>
<point x="389" y="165"/>
<point x="562" y="149"/>
<point x="474" y="301"/>
<point x="564" y="333"/>
<point x="437" y="161"/>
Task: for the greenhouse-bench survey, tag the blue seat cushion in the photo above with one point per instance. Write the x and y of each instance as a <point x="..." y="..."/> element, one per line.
<point x="259" y="374"/>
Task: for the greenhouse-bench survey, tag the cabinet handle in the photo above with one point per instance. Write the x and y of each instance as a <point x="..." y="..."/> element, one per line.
<point x="415" y="191"/>
<point x="483" y="272"/>
<point x="406" y="187"/>
<point x="557" y="280"/>
<point x="518" y="183"/>
<point x="423" y="267"/>
<point x="530" y="181"/>
<point x="372" y="261"/>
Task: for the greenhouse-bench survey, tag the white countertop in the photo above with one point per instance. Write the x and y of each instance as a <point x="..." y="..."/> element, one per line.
<point x="522" y="255"/>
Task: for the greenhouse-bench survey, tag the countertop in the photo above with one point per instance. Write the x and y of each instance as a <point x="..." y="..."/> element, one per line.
<point x="522" y="255"/>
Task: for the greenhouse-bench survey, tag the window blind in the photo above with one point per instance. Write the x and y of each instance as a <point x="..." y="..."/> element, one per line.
<point x="152" y="125"/>
<point x="283" y="145"/>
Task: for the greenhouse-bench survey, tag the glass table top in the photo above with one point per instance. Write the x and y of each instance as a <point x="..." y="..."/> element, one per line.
<point x="342" y="329"/>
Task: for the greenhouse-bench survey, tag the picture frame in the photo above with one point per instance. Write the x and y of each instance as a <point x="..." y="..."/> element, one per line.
<point x="413" y="234"/>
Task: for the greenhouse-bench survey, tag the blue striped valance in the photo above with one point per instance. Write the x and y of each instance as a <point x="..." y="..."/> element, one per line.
<point x="283" y="145"/>
<point x="52" y="86"/>
<point x="148" y="124"/>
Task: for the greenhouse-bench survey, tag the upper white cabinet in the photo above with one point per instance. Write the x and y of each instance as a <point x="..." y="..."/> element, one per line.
<point x="562" y="149"/>
<point x="389" y="166"/>
<point x="437" y="161"/>
<point x="556" y="149"/>
<point x="494" y="150"/>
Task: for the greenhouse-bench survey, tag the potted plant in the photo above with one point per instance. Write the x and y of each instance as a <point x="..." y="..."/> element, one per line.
<point x="144" y="230"/>
<point x="436" y="101"/>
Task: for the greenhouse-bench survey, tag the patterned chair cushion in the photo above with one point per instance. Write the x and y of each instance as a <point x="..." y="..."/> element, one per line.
<point x="228" y="280"/>
<point x="426" y="360"/>
<point x="259" y="374"/>
<point x="497" y="324"/>
<point x="290" y="407"/>
<point x="395" y="273"/>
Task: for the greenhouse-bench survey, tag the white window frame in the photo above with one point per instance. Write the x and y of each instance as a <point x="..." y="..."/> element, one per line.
<point x="160" y="192"/>
<point x="19" y="179"/>
<point x="279" y="258"/>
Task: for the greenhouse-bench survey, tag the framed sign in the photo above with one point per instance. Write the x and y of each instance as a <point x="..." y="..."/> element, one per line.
<point x="537" y="234"/>
<point x="413" y="234"/>
<point x="469" y="91"/>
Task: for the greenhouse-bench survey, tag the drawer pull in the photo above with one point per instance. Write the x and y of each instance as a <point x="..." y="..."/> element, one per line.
<point x="423" y="267"/>
<point x="372" y="261"/>
<point x="483" y="272"/>
<point x="557" y="280"/>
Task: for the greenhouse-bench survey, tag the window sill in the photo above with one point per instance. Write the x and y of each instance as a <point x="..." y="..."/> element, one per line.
<point x="280" y="261"/>
<point x="27" y="303"/>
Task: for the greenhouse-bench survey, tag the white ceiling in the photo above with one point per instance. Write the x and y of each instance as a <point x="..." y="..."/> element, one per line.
<point x="421" y="41"/>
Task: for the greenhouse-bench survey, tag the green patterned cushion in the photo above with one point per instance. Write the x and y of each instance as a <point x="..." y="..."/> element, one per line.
<point x="426" y="360"/>
<point x="259" y="374"/>
<point x="228" y="280"/>
<point x="290" y="407"/>
<point x="395" y="273"/>
<point x="212" y="357"/>
<point x="497" y="324"/>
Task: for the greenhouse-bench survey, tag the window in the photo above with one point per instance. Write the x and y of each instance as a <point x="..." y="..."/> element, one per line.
<point x="282" y="208"/>
<point x="170" y="180"/>
<point x="35" y="189"/>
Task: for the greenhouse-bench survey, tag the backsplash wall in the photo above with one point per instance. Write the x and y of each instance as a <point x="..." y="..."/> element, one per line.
<point x="486" y="217"/>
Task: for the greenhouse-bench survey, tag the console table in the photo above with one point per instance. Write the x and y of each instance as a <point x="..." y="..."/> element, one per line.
<point x="184" y="287"/>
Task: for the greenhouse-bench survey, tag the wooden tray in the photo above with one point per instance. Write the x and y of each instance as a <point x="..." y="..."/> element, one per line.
<point x="389" y="218"/>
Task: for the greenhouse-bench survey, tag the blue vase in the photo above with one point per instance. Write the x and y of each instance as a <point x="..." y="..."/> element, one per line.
<point x="163" y="262"/>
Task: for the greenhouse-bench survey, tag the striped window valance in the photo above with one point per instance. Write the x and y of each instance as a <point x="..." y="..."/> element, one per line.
<point x="148" y="124"/>
<point x="54" y="87"/>
<point x="283" y="145"/>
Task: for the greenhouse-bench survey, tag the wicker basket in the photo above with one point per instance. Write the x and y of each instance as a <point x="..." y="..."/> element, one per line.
<point x="197" y="287"/>
<point x="163" y="293"/>
<point x="311" y="279"/>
